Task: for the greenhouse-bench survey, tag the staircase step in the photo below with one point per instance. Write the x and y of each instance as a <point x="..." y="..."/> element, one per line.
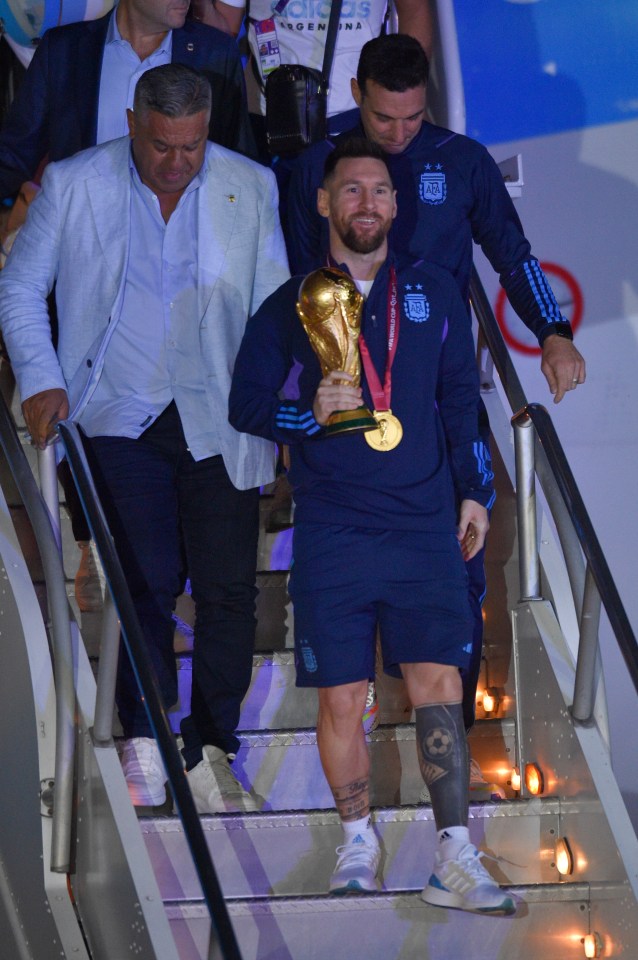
<point x="283" y="766"/>
<point x="283" y="854"/>
<point x="550" y="923"/>
<point x="274" y="702"/>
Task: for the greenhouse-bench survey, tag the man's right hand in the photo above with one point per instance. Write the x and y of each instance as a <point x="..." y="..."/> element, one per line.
<point x="335" y="394"/>
<point x="562" y="366"/>
<point x="41" y="413"/>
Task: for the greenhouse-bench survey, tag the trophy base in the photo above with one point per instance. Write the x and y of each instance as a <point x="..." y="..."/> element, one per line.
<point x="350" y="421"/>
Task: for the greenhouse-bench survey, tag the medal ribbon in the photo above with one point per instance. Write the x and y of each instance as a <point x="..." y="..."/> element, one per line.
<point x="382" y="395"/>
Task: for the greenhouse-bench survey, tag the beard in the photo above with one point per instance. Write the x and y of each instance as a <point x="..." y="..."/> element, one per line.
<point x="367" y="243"/>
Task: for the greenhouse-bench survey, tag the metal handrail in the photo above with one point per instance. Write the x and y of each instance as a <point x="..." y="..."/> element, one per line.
<point x="573" y="525"/>
<point x="588" y="652"/>
<point x="61" y="642"/>
<point x="495" y="344"/>
<point x="596" y="562"/>
<point x="139" y="656"/>
<point x="223" y="941"/>
<point x="490" y="333"/>
<point x="528" y="558"/>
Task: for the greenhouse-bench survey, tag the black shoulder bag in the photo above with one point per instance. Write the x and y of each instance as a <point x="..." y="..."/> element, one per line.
<point x="297" y="99"/>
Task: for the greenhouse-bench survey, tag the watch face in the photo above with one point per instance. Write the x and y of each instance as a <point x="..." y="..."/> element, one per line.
<point x="560" y="330"/>
<point x="568" y="296"/>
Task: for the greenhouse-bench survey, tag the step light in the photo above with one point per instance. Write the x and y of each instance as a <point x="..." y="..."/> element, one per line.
<point x="534" y="779"/>
<point x="563" y="857"/>
<point x="593" y="945"/>
<point x="515" y="779"/>
<point x="490" y="699"/>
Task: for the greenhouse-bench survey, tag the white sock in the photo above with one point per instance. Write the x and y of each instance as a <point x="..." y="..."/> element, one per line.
<point x="451" y="841"/>
<point x="352" y="827"/>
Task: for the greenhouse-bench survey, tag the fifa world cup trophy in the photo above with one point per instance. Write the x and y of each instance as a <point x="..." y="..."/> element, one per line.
<point x="329" y="307"/>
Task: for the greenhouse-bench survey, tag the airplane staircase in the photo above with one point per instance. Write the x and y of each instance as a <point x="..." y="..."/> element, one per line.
<point x="130" y="886"/>
<point x="83" y="878"/>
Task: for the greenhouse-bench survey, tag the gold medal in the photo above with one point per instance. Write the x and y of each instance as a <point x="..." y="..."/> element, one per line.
<point x="388" y="434"/>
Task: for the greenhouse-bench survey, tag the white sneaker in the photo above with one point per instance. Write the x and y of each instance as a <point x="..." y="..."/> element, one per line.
<point x="370" y="718"/>
<point x="357" y="865"/>
<point x="89" y="589"/>
<point x="144" y="772"/>
<point x="465" y="884"/>
<point x="215" y="787"/>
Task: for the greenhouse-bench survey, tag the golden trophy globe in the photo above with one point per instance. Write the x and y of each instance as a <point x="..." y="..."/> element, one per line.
<point x="329" y="307"/>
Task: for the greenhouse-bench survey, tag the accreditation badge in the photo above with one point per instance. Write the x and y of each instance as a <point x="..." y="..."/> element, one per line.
<point x="267" y="46"/>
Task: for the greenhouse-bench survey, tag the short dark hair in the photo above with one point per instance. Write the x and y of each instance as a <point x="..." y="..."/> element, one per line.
<point x="395" y="61"/>
<point x="173" y="90"/>
<point x="353" y="148"/>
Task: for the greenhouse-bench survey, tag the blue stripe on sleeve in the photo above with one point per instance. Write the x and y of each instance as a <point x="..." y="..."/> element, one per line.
<point x="543" y="293"/>
<point x="482" y="456"/>
<point x="288" y="418"/>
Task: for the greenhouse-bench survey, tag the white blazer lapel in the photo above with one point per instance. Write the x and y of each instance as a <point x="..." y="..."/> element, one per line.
<point x="217" y="212"/>
<point x="109" y="197"/>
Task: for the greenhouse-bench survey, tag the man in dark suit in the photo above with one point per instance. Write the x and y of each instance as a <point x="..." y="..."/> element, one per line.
<point x="57" y="110"/>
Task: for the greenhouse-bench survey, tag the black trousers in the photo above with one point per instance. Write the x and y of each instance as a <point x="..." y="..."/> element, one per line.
<point x="171" y="516"/>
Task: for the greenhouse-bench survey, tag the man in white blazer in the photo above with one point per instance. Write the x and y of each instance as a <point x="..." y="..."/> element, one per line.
<point x="160" y="247"/>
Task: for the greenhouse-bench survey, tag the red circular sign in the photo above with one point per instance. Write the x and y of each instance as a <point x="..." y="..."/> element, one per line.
<point x="573" y="297"/>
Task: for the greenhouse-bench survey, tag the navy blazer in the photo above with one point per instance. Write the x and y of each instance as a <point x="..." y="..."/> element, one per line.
<point x="54" y="113"/>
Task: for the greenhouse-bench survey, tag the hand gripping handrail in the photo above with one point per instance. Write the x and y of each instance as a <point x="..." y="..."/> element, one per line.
<point x="136" y="646"/>
<point x="61" y="643"/>
<point x="223" y="942"/>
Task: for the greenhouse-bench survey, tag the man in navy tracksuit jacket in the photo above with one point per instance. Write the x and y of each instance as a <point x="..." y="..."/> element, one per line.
<point x="450" y="193"/>
<point x="434" y="394"/>
<point x="378" y="543"/>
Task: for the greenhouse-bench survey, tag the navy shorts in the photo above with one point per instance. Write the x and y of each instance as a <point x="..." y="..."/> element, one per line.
<point x="347" y="581"/>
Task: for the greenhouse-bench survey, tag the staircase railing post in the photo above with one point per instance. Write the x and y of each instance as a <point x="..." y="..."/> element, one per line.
<point x="63" y="666"/>
<point x="41" y="517"/>
<point x="107" y="671"/>
<point x="48" y="477"/>
<point x="586" y="666"/>
<point x="529" y="563"/>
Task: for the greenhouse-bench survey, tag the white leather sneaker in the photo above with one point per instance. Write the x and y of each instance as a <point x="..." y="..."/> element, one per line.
<point x="215" y="787"/>
<point x="144" y="772"/>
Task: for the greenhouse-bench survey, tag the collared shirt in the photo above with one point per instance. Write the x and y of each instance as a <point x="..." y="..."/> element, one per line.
<point x="121" y="69"/>
<point x="154" y="354"/>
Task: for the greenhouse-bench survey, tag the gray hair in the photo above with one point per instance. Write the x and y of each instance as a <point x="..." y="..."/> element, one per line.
<point x="172" y="90"/>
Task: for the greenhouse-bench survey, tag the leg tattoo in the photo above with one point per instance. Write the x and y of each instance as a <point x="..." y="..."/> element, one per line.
<point x="352" y="800"/>
<point x="443" y="758"/>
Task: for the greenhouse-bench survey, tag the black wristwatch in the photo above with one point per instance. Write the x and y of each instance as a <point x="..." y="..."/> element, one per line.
<point x="555" y="330"/>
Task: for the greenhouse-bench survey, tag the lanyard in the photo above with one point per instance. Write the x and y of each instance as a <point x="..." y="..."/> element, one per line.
<point x="382" y="395"/>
